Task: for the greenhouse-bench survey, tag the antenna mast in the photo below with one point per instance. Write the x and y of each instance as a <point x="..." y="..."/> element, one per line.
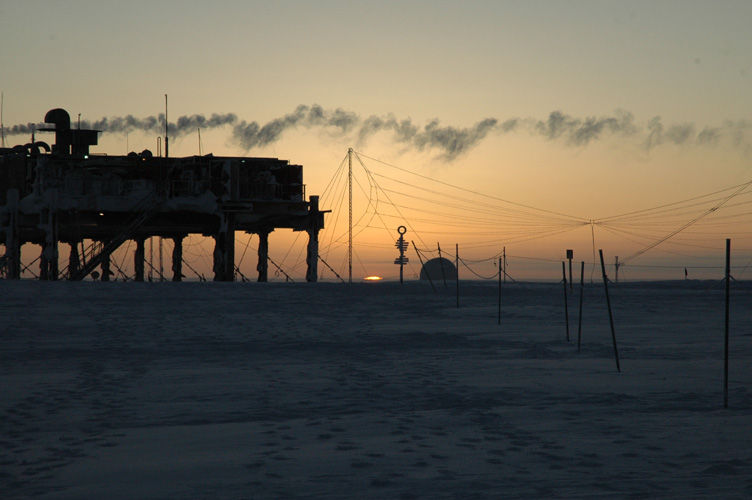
<point x="349" y="240"/>
<point x="165" y="126"/>
<point x="2" y="125"/>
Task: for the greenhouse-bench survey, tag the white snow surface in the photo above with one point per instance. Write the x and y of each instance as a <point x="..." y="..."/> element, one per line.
<point x="372" y="390"/>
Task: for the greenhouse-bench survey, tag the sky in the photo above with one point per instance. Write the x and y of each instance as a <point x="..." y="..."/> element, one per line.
<point x="589" y="110"/>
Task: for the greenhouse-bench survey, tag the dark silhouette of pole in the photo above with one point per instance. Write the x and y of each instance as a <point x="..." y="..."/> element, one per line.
<point x="350" y="223"/>
<point x="402" y="245"/>
<point x="566" y="307"/>
<point x="500" y="273"/>
<point x="457" y="265"/>
<point x="422" y="266"/>
<point x="610" y="315"/>
<point x="504" y="254"/>
<point x="441" y="261"/>
<point x="582" y="290"/>
<point x="166" y="129"/>
<point x="726" y="342"/>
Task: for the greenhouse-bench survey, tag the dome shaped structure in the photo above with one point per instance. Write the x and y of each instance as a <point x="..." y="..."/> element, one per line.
<point x="438" y="269"/>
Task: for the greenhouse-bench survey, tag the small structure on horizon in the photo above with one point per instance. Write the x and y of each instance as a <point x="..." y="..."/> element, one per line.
<point x="438" y="269"/>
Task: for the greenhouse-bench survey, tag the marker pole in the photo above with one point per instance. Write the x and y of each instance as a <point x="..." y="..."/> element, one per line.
<point x="610" y="315"/>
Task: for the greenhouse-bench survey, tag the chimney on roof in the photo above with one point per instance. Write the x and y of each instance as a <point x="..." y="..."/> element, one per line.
<point x="69" y="141"/>
<point x="61" y="119"/>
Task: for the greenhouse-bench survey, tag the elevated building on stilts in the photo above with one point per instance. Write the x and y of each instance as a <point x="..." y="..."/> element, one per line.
<point x="62" y="194"/>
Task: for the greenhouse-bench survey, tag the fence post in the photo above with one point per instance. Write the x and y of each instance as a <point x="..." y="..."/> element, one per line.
<point x="726" y="342"/>
<point x="582" y="290"/>
<point x="500" y="273"/>
<point x="610" y="315"/>
<point x="566" y="307"/>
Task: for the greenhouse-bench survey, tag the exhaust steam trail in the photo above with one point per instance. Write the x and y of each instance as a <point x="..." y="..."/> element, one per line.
<point x="450" y="141"/>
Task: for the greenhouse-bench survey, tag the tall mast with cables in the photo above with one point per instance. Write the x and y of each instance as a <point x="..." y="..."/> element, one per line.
<point x="349" y="233"/>
<point x="2" y="125"/>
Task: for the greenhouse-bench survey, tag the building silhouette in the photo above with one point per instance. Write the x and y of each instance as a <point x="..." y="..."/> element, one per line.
<point x="63" y="194"/>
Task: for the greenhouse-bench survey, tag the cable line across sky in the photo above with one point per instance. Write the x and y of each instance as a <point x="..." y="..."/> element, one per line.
<point x="389" y="196"/>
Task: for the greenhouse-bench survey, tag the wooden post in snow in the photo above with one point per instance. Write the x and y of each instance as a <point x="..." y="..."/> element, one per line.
<point x="500" y="273"/>
<point x="566" y="307"/>
<point x="726" y="342"/>
<point x="582" y="290"/>
<point x="610" y="315"/>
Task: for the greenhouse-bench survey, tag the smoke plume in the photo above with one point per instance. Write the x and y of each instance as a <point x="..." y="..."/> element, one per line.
<point x="21" y="129"/>
<point x="252" y="135"/>
<point x="581" y="131"/>
<point x="450" y="142"/>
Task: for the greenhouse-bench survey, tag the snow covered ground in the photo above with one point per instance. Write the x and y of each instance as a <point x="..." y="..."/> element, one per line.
<point x="371" y="390"/>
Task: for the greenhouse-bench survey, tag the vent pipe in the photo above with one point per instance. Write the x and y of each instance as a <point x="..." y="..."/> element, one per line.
<point x="166" y="125"/>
